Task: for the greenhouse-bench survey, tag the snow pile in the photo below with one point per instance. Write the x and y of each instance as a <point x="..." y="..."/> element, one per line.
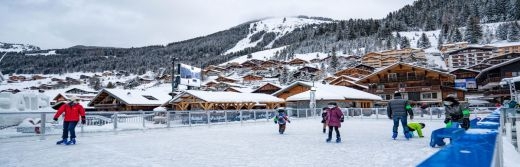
<point x="279" y="26"/>
<point x="24" y="101"/>
<point x="480" y="131"/>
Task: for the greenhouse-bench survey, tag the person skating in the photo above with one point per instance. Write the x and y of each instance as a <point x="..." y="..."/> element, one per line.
<point x="324" y="118"/>
<point x="334" y="119"/>
<point x="398" y="109"/>
<point x="281" y="119"/>
<point x="456" y="115"/>
<point x="73" y="111"/>
<point x="416" y="126"/>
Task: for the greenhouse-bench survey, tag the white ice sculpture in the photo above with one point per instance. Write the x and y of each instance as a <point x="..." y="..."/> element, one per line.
<point x="24" y="101"/>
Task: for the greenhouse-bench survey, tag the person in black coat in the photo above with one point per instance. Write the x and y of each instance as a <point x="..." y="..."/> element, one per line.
<point x="324" y="118"/>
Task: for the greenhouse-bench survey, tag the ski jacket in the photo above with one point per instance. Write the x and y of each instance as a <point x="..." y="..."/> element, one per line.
<point x="399" y="107"/>
<point x="72" y="112"/>
<point x="281" y="119"/>
<point x="324" y="115"/>
<point x="456" y="113"/>
<point x="414" y="126"/>
<point x="334" y="116"/>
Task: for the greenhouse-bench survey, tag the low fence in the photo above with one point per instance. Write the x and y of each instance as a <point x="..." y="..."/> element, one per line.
<point x="41" y="123"/>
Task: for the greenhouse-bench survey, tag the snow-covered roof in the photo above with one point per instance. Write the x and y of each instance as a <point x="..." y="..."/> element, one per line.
<point x="139" y="97"/>
<point x="230" y="97"/>
<point x="332" y="92"/>
<point x="242" y="90"/>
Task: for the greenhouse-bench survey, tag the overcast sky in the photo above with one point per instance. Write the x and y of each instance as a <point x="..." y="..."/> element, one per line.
<point x="126" y="23"/>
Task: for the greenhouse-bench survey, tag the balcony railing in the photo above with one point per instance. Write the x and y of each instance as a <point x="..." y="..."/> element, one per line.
<point x="497" y="92"/>
<point x="491" y="80"/>
<point x="406" y="89"/>
<point x="402" y="79"/>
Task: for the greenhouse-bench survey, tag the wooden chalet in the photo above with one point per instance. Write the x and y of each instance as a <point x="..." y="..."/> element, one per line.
<point x="479" y="67"/>
<point x="270" y="63"/>
<point x="80" y="91"/>
<point x="500" y="59"/>
<point x="315" y="60"/>
<point x="267" y="88"/>
<point x="211" y="84"/>
<point x="233" y="66"/>
<point x="128" y="100"/>
<point x="465" y="78"/>
<point x="252" y="78"/>
<point x="489" y="79"/>
<point x="256" y="61"/>
<point x="238" y="90"/>
<point x="348" y="82"/>
<point x="329" y="79"/>
<point x="248" y="64"/>
<point x="225" y="79"/>
<point x="298" y="61"/>
<point x="297" y="95"/>
<point x="259" y="69"/>
<point x="212" y="72"/>
<point x="310" y="70"/>
<point x="37" y="77"/>
<point x="205" y="100"/>
<point x="372" y="59"/>
<point x="417" y="84"/>
<point x="354" y="72"/>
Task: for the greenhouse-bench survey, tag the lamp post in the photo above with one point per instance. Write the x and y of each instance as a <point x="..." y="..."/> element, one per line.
<point x="174" y="86"/>
<point x="312" y="103"/>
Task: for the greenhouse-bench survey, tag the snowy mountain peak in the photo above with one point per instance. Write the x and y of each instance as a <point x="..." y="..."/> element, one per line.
<point x="9" y="47"/>
<point x="264" y="32"/>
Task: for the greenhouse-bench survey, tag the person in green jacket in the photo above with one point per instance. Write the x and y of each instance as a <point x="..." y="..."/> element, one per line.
<point x="416" y="126"/>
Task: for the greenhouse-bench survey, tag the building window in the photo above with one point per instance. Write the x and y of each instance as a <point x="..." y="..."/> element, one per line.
<point x="402" y="85"/>
<point x="429" y="95"/>
<point x="392" y="75"/>
<point x="380" y="87"/>
<point x="149" y="97"/>
<point x="410" y="75"/>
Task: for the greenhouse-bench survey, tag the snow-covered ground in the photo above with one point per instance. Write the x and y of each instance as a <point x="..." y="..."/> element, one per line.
<point x="279" y="26"/>
<point x="365" y="143"/>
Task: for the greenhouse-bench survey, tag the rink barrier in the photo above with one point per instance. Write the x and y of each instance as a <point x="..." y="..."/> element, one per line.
<point x="481" y="145"/>
<point x="104" y="121"/>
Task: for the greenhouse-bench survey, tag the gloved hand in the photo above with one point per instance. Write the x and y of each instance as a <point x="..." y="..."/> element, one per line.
<point x="55" y="119"/>
<point x="83" y="121"/>
<point x="342" y="119"/>
<point x="411" y="117"/>
<point x="421" y="136"/>
<point x="446" y="120"/>
<point x="289" y="121"/>
<point x="275" y="122"/>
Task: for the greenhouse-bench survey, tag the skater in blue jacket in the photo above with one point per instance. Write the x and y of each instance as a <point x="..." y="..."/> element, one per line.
<point x="281" y="119"/>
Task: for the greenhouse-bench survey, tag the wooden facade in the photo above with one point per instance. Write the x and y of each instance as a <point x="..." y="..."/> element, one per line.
<point x="252" y="78"/>
<point x="468" y="56"/>
<point x="292" y="90"/>
<point x="353" y="72"/>
<point x="386" y="58"/>
<point x="488" y="79"/>
<point x="225" y="79"/>
<point x="267" y="88"/>
<point x="106" y="101"/>
<point x="298" y="61"/>
<point x="417" y="84"/>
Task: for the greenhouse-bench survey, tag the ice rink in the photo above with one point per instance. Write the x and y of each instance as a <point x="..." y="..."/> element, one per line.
<point x="365" y="143"/>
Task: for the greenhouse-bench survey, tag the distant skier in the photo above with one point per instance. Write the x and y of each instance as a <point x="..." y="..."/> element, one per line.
<point x="455" y="114"/>
<point x="73" y="110"/>
<point x="398" y="109"/>
<point x="281" y="119"/>
<point x="324" y="118"/>
<point x="414" y="126"/>
<point x="334" y="119"/>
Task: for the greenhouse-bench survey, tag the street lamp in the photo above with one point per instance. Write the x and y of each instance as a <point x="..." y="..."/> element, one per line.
<point x="312" y="103"/>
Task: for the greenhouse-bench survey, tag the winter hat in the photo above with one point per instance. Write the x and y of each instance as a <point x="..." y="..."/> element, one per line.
<point x="333" y="103"/>
<point x="452" y="99"/>
<point x="397" y="94"/>
<point x="423" y="125"/>
<point x="281" y="110"/>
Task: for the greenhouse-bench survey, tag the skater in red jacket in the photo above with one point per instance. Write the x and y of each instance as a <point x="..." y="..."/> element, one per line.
<point x="334" y="120"/>
<point x="72" y="110"/>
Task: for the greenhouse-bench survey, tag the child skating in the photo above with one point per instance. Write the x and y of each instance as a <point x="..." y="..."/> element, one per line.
<point x="281" y="119"/>
<point x="334" y="120"/>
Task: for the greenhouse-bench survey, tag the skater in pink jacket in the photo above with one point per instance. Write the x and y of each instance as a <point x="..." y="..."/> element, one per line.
<point x="334" y="120"/>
